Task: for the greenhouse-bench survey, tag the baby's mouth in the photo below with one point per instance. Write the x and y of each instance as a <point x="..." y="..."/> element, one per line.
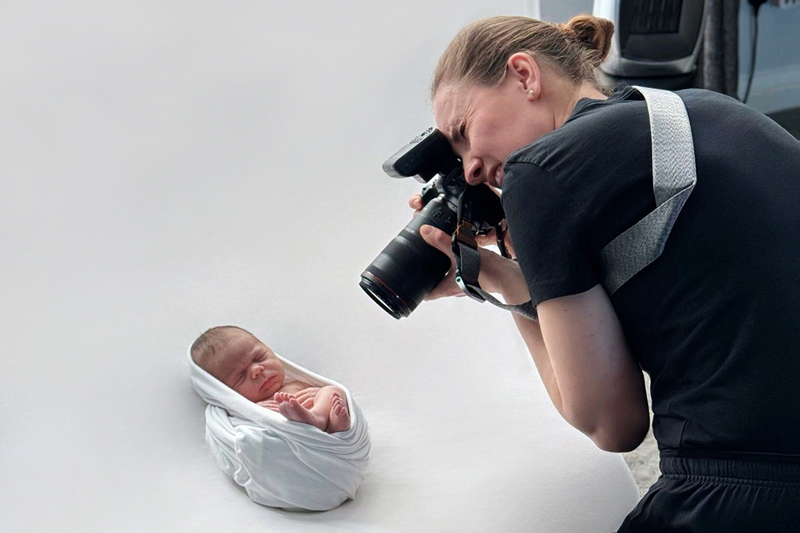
<point x="267" y="383"/>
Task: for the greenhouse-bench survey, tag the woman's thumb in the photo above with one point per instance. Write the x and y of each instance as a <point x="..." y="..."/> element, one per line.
<point x="435" y="237"/>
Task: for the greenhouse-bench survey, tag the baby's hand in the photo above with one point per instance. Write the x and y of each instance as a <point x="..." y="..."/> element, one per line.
<point x="306" y="397"/>
<point x="272" y="405"/>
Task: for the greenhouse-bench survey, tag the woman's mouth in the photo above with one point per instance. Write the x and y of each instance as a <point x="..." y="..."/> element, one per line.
<point x="497" y="177"/>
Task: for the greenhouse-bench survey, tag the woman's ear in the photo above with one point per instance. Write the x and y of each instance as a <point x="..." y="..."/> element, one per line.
<point x="525" y="73"/>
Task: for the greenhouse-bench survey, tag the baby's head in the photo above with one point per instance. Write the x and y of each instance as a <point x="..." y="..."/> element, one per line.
<point x="240" y="361"/>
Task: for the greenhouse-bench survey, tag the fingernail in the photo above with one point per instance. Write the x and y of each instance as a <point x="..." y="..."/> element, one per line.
<point x="426" y="230"/>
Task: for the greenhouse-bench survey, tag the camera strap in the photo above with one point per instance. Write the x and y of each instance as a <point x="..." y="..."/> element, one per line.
<point x="674" y="177"/>
<point x="468" y="265"/>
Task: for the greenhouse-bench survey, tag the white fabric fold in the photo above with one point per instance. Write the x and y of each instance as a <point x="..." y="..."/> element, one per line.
<point x="281" y="463"/>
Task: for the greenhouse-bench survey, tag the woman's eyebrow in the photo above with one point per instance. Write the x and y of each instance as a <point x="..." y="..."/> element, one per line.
<point x="455" y="131"/>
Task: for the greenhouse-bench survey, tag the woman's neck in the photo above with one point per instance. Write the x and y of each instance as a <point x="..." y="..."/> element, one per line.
<point x="567" y="96"/>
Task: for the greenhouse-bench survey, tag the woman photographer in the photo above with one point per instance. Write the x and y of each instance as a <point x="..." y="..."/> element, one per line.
<point x="713" y="319"/>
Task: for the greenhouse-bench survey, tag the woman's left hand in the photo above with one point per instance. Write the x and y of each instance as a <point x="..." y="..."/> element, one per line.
<point x="415" y="203"/>
<point x="498" y="274"/>
<point x="441" y="241"/>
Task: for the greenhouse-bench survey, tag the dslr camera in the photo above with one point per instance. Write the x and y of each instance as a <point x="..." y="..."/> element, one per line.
<point x="407" y="269"/>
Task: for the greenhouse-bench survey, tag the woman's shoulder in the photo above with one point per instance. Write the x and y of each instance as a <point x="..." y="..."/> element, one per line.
<point x="598" y="134"/>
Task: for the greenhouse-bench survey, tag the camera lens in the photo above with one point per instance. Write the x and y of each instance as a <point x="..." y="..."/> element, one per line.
<point x="408" y="268"/>
<point x="383" y="295"/>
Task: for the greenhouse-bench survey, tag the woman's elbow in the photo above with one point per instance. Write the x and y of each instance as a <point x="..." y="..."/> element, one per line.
<point x="621" y="435"/>
<point x="617" y="427"/>
<point x="618" y="443"/>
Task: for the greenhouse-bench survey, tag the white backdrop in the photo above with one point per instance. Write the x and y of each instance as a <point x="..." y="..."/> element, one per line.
<point x="168" y="166"/>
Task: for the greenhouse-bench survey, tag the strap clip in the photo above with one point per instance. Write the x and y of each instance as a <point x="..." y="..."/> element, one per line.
<point x="468" y="260"/>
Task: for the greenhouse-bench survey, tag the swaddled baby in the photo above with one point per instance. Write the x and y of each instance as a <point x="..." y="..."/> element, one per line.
<point x="242" y="362"/>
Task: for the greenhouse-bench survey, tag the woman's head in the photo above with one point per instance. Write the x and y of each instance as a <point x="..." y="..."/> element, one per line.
<point x="503" y="82"/>
<point x="478" y="54"/>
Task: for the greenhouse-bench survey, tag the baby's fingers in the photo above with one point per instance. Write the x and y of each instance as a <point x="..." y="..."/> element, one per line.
<point x="269" y="404"/>
<point x="306" y="393"/>
<point x="308" y="403"/>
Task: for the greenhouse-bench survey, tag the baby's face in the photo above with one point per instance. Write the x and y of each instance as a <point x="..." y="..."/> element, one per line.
<point x="250" y="368"/>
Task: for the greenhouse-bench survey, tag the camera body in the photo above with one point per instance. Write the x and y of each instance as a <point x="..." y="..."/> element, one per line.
<point x="407" y="269"/>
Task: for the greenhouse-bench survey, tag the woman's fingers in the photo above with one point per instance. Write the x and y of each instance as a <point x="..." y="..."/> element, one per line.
<point x="436" y="238"/>
<point x="415" y="203"/>
<point x="441" y="241"/>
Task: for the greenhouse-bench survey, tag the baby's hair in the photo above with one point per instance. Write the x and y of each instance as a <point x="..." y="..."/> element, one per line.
<point x="206" y="349"/>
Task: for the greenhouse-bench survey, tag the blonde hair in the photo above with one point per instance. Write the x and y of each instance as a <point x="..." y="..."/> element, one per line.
<point x="479" y="52"/>
<point x="208" y="347"/>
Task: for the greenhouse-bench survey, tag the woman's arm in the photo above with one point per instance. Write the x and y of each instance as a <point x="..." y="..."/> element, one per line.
<point x="579" y="349"/>
<point x="599" y="387"/>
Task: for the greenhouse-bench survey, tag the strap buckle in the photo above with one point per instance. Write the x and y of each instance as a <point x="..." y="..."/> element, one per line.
<point x="468" y="260"/>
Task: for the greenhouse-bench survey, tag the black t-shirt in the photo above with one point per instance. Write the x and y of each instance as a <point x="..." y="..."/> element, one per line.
<point x="714" y="321"/>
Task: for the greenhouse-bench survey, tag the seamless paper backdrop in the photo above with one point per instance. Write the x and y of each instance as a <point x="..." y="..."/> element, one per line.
<point x="170" y="166"/>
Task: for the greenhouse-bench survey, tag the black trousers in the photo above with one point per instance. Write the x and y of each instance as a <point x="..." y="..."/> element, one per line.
<point x="731" y="493"/>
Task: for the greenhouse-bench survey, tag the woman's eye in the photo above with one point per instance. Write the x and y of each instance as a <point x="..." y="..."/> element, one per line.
<point x="462" y="131"/>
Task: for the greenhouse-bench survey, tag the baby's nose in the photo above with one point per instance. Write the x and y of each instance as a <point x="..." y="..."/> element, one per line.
<point x="257" y="371"/>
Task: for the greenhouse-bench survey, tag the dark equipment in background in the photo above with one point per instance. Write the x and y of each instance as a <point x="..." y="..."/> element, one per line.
<point x="407" y="269"/>
<point x="756" y="5"/>
<point x="655" y="44"/>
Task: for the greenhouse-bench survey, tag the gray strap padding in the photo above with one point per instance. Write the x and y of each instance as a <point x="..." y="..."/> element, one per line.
<point x="674" y="177"/>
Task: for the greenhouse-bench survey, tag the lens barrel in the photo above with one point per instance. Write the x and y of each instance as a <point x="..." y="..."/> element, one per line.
<point x="409" y="268"/>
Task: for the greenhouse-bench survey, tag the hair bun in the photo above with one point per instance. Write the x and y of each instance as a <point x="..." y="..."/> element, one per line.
<point x="591" y="33"/>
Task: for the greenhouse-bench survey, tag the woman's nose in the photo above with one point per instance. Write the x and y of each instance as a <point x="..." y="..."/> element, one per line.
<point x="472" y="171"/>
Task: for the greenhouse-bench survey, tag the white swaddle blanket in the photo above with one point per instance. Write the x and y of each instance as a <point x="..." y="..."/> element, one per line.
<point x="281" y="463"/>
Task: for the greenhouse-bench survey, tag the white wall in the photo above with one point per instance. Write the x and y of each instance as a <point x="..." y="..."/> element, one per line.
<point x="167" y="166"/>
<point x="563" y="10"/>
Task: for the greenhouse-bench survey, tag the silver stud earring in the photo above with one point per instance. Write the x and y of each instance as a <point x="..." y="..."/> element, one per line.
<point x="531" y="94"/>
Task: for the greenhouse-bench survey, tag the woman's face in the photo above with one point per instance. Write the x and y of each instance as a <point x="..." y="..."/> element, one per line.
<point x="487" y="124"/>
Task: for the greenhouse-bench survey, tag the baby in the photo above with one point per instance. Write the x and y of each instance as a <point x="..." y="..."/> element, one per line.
<point x="248" y="366"/>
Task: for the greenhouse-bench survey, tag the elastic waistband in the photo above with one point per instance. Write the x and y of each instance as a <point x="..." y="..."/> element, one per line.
<point x="756" y="467"/>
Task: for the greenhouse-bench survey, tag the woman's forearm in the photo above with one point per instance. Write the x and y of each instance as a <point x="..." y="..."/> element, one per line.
<point x="590" y="376"/>
<point x="587" y="370"/>
<point x="502" y="276"/>
<point x="532" y="336"/>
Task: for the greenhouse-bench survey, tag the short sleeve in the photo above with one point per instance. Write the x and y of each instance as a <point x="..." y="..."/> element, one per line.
<point x="549" y="232"/>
